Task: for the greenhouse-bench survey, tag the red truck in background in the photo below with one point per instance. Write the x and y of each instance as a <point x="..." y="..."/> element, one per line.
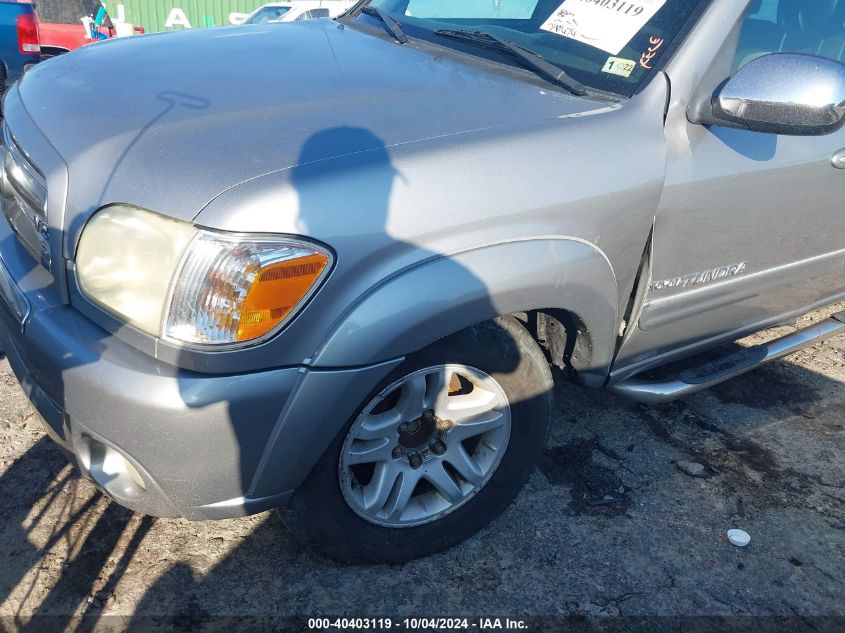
<point x="61" y="28"/>
<point x="28" y="36"/>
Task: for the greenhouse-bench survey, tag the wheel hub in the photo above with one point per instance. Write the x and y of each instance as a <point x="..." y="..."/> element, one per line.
<point x="418" y="432"/>
<point x="421" y="439"/>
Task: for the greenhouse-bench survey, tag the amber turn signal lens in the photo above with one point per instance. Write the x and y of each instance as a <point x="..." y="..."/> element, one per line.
<point x="275" y="291"/>
<point x="232" y="289"/>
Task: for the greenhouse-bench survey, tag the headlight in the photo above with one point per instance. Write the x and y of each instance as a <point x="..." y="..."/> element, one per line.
<point x="190" y="285"/>
<point x="125" y="263"/>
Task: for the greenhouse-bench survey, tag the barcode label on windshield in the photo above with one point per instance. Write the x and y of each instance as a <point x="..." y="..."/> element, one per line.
<point x="604" y="24"/>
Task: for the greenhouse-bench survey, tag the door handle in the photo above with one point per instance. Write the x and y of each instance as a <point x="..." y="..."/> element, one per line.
<point x="838" y="159"/>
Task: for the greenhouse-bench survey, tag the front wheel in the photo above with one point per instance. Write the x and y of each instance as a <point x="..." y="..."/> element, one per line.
<point x="436" y="453"/>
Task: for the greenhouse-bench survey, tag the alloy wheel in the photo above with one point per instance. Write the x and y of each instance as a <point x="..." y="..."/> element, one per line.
<point x="425" y="445"/>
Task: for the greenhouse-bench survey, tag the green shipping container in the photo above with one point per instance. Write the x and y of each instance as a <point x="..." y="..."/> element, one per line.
<point x="172" y="15"/>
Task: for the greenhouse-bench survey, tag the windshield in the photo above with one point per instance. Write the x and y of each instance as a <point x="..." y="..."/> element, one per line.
<point x="267" y="14"/>
<point x="610" y="45"/>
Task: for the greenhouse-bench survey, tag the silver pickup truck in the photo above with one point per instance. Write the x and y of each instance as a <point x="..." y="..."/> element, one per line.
<point x="329" y="267"/>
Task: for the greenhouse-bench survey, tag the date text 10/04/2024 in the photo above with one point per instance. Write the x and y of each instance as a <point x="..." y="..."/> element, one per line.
<point x="416" y="624"/>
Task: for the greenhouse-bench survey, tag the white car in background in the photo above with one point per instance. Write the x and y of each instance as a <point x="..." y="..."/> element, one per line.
<point x="303" y="10"/>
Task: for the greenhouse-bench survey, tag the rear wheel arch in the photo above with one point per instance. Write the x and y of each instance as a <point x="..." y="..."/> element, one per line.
<point x="48" y="51"/>
<point x="4" y="77"/>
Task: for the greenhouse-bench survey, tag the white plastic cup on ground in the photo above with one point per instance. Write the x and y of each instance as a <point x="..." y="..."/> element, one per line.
<point x="740" y="538"/>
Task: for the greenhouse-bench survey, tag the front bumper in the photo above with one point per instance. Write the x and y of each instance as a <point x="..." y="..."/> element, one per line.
<point x="194" y="440"/>
<point x="158" y="439"/>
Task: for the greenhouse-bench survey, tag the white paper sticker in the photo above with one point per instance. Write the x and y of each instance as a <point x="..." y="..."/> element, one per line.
<point x="605" y="24"/>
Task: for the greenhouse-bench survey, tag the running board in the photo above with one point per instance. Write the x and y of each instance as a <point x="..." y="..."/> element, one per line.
<point x="716" y="371"/>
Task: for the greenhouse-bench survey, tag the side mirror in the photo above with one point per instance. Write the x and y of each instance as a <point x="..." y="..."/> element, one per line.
<point x="780" y="93"/>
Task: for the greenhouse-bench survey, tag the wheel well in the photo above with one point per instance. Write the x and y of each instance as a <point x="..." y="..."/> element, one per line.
<point x="53" y="51"/>
<point x="564" y="337"/>
<point x="561" y="334"/>
<point x="4" y="78"/>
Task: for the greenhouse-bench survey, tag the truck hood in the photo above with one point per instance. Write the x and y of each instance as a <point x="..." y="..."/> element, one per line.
<point x="169" y="121"/>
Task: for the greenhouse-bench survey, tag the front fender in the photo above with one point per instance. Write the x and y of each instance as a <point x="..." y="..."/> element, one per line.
<point x="420" y="305"/>
<point x="445" y="294"/>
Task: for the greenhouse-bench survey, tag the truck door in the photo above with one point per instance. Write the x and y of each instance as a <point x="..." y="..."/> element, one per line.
<point x="750" y="230"/>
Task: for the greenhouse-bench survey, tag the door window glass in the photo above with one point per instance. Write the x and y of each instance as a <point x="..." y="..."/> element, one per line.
<point x="793" y="26"/>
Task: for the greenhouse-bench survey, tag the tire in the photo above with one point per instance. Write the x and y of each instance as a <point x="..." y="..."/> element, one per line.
<point x="4" y="77"/>
<point x="329" y="513"/>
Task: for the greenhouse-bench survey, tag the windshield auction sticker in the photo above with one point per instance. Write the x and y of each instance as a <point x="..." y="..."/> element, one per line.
<point x="605" y="24"/>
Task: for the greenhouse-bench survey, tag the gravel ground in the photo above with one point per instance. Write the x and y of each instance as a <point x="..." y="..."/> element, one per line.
<point x="609" y="525"/>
